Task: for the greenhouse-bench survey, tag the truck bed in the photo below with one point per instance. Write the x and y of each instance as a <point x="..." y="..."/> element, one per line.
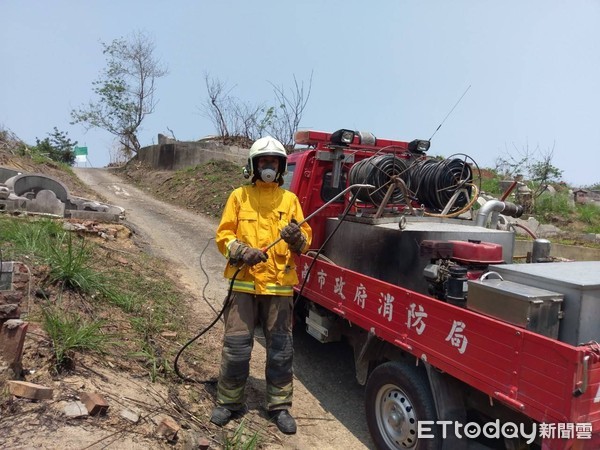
<point x="533" y="374"/>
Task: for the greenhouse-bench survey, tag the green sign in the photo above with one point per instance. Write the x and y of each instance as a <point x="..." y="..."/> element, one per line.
<point x="80" y="151"/>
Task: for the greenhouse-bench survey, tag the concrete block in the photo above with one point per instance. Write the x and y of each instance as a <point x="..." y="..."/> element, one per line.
<point x="30" y="390"/>
<point x="75" y="410"/>
<point x="129" y="415"/>
<point x="13" y="203"/>
<point x="95" y="403"/>
<point x="168" y="428"/>
<point x="6" y="276"/>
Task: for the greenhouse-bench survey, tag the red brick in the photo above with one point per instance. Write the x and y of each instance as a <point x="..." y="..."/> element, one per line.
<point x="203" y="444"/>
<point x="10" y="311"/>
<point x="12" y="338"/>
<point x="7" y="297"/>
<point x="29" y="390"/>
<point x="94" y="403"/>
<point x="168" y="428"/>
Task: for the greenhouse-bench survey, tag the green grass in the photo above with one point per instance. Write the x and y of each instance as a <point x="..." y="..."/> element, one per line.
<point x="127" y="302"/>
<point x="491" y="186"/>
<point x="593" y="229"/>
<point x="31" y="237"/>
<point x="68" y="332"/>
<point x="547" y="206"/>
<point x="242" y="439"/>
<point x="70" y="262"/>
<point x="589" y="214"/>
<point x="157" y="365"/>
<point x="153" y="299"/>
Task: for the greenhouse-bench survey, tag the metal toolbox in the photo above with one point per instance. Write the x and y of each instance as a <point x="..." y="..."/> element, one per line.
<point x="532" y="308"/>
<point x="578" y="281"/>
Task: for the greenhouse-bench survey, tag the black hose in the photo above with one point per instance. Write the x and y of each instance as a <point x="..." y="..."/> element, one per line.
<point x="378" y="171"/>
<point x="436" y="182"/>
<point x="212" y="324"/>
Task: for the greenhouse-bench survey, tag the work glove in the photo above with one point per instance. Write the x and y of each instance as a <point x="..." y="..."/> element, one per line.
<point x="292" y="235"/>
<point x="240" y="251"/>
<point x="252" y="256"/>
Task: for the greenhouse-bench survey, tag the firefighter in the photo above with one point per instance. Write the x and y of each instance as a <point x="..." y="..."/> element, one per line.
<point x="255" y="216"/>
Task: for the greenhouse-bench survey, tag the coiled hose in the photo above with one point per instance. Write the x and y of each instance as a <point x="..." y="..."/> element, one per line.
<point x="379" y="172"/>
<point x="437" y="181"/>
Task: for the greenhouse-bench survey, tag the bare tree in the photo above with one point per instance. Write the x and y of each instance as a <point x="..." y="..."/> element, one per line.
<point x="232" y="118"/>
<point x="534" y="164"/>
<point x="126" y="90"/>
<point x="218" y="104"/>
<point x="245" y="122"/>
<point x="289" y="113"/>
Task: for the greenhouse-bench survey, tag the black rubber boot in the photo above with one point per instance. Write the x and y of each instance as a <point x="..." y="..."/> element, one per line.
<point x="220" y="416"/>
<point x="284" y="421"/>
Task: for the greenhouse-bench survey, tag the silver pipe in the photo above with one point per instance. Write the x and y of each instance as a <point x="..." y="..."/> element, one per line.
<point x="496" y="207"/>
<point x="489" y="206"/>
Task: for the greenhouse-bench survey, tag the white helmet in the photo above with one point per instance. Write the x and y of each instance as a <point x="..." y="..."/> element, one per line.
<point x="267" y="146"/>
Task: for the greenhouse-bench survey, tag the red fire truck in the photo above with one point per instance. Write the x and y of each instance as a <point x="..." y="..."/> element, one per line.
<point x="453" y="340"/>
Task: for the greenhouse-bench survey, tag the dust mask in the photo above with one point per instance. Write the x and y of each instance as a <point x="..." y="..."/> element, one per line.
<point x="268" y="174"/>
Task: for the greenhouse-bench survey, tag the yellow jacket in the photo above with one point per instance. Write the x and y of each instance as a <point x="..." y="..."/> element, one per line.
<point x="255" y="214"/>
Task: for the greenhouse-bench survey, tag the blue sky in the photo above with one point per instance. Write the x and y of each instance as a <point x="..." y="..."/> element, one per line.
<point x="394" y="68"/>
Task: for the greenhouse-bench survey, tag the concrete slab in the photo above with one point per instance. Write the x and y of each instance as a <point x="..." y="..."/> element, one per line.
<point x="46" y="202"/>
<point x="29" y="184"/>
<point x="93" y="215"/>
<point x="6" y="173"/>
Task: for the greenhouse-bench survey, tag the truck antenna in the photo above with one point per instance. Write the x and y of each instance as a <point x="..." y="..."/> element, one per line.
<point x="442" y="123"/>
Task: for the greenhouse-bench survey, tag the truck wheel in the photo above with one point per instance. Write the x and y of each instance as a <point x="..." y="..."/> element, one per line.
<point x="397" y="396"/>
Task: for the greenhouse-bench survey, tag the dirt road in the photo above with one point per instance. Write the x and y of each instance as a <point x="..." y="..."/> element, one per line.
<point x="328" y="402"/>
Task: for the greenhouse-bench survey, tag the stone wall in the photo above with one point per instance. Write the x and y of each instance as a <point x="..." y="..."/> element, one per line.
<point x="170" y="154"/>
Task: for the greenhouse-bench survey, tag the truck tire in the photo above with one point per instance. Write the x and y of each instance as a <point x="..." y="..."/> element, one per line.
<point x="397" y="397"/>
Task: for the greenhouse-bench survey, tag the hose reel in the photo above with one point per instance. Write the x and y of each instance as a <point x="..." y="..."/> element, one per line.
<point x="436" y="182"/>
<point x="432" y="183"/>
<point x="380" y="171"/>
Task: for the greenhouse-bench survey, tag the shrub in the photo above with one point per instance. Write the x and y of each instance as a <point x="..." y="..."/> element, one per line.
<point x="548" y="206"/>
<point x="589" y="214"/>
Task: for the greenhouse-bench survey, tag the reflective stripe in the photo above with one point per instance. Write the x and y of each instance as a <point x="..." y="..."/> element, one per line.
<point x="227" y="253"/>
<point x="244" y="286"/>
<point x="270" y="289"/>
<point x="279" y="290"/>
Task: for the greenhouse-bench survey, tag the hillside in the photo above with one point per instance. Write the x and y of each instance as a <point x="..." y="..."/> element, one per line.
<point x="202" y="188"/>
<point x="103" y="317"/>
<point x="205" y="188"/>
